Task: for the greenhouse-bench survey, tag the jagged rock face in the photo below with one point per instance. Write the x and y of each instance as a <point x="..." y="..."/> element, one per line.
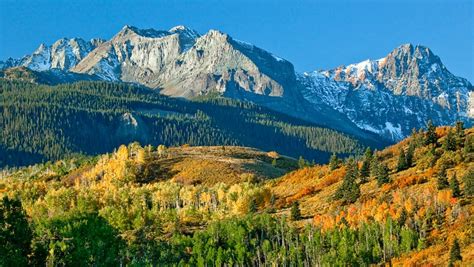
<point x="182" y="63"/>
<point x="62" y="55"/>
<point x="392" y="95"/>
<point x="66" y="53"/>
<point x="389" y="96"/>
<point x="9" y="63"/>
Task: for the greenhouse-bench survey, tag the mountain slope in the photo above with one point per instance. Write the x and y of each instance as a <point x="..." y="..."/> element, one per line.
<point x="395" y="94"/>
<point x="158" y="204"/>
<point x="64" y="54"/>
<point x="410" y="198"/>
<point x="94" y="117"/>
<point x="182" y="63"/>
<point x="377" y="99"/>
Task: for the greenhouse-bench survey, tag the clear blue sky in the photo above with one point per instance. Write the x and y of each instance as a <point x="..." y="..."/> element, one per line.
<point x="311" y="34"/>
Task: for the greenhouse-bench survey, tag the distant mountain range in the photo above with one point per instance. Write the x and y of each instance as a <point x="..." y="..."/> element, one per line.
<point x="386" y="97"/>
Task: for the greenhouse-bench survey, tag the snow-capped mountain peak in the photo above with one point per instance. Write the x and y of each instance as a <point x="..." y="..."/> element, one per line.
<point x="394" y="94"/>
<point x="63" y="54"/>
<point x="388" y="96"/>
<point x="180" y="29"/>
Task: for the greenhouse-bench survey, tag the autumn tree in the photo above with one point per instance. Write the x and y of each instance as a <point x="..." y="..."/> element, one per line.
<point x="442" y="179"/>
<point x="295" y="211"/>
<point x="274" y="162"/>
<point x="454" y="186"/>
<point x="161" y="149"/>
<point x="301" y="162"/>
<point x="430" y="135"/>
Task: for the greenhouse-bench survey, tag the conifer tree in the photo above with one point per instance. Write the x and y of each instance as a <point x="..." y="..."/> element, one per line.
<point x="301" y="162"/>
<point x="252" y="206"/>
<point x="442" y="179"/>
<point x="449" y="141"/>
<point x="349" y="190"/>
<point x="468" y="145"/>
<point x="430" y="136"/>
<point x="455" y="252"/>
<point x="15" y="233"/>
<point x="468" y="180"/>
<point x="402" y="162"/>
<point x="333" y="162"/>
<point x="460" y="129"/>
<point x="374" y="163"/>
<point x="295" y="211"/>
<point x="454" y="186"/>
<point x="382" y="174"/>
<point x="410" y="154"/>
<point x="365" y="169"/>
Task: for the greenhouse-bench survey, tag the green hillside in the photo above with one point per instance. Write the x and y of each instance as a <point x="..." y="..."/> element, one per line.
<point x="40" y="122"/>
<point x="410" y="204"/>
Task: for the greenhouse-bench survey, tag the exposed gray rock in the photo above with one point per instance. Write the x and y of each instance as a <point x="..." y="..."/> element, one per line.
<point x="387" y="97"/>
<point x="395" y="94"/>
<point x="182" y="63"/>
<point x="62" y="55"/>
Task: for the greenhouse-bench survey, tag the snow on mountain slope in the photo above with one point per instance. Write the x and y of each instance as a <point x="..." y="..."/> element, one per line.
<point x="392" y="95"/>
<point x="388" y="96"/>
<point x="62" y="55"/>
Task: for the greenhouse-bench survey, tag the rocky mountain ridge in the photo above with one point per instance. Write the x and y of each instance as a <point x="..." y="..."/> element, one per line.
<point x="393" y="95"/>
<point x="388" y="97"/>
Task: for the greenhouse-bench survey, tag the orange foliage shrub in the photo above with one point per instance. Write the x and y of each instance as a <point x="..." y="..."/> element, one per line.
<point x="302" y="193"/>
<point x="273" y="154"/>
<point x="410" y="180"/>
<point x="332" y="178"/>
<point x="442" y="131"/>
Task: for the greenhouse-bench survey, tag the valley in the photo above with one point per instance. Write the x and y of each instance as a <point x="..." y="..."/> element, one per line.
<point x="172" y="147"/>
<point x="404" y="205"/>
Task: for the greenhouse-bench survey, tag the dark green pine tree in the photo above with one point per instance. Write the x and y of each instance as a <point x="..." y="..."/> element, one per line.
<point x="459" y="134"/>
<point x="430" y="136"/>
<point x="460" y="129"/>
<point x="349" y="190"/>
<point x="295" y="211"/>
<point x="333" y="162"/>
<point x="454" y="185"/>
<point x="365" y="169"/>
<point x="382" y="174"/>
<point x="402" y="161"/>
<point x="15" y="234"/>
<point x="449" y="141"/>
<point x="455" y="252"/>
<point x="410" y="154"/>
<point x="374" y="163"/>
<point x="468" y="146"/>
<point x="442" y="179"/>
<point x="468" y="180"/>
<point x="252" y="208"/>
